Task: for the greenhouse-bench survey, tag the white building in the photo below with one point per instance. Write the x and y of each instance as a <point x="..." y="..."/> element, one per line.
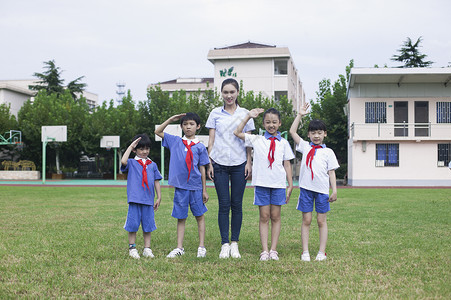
<point x="189" y="85"/>
<point x="17" y="92"/>
<point x="399" y="127"/>
<point x="262" y="68"/>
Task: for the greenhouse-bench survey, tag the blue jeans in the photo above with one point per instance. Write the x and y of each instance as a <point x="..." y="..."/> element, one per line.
<point x="230" y="201"/>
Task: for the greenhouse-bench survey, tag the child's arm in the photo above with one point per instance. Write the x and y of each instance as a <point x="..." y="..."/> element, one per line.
<point x="251" y="114"/>
<point x="205" y="196"/>
<point x="294" y="127"/>
<point x="160" y="129"/>
<point x="333" y="184"/>
<point x="158" y="194"/>
<point x="127" y="152"/>
<point x="287" y="167"/>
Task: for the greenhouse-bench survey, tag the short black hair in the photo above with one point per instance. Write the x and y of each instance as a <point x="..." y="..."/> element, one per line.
<point x="190" y="116"/>
<point x="144" y="142"/>
<point x="273" y="111"/>
<point x="316" y="125"/>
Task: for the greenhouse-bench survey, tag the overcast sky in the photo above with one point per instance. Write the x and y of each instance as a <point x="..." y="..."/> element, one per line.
<point x="145" y="41"/>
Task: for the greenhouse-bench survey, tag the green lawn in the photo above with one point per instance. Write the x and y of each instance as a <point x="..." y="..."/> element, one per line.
<point x="58" y="242"/>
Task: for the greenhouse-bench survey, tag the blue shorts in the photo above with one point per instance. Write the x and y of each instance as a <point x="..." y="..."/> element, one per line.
<point x="183" y="199"/>
<point x="265" y="196"/>
<point x="306" y="199"/>
<point x="140" y="214"/>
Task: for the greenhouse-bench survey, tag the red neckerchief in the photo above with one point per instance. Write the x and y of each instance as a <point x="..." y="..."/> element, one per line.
<point x="272" y="148"/>
<point x="189" y="155"/>
<point x="148" y="162"/>
<point x="311" y="155"/>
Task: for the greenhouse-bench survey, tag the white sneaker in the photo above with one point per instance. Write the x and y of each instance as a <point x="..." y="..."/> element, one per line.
<point x="264" y="256"/>
<point x="234" y="252"/>
<point x="321" y="256"/>
<point x="305" y="256"/>
<point x="133" y="253"/>
<point x="274" y="255"/>
<point x="201" y="252"/>
<point x="148" y="253"/>
<point x="176" y="252"/>
<point x="225" y="251"/>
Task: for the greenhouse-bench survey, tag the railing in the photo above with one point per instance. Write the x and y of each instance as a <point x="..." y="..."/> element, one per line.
<point x="400" y="131"/>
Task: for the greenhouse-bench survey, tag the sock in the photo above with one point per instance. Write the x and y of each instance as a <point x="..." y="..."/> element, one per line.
<point x="319" y="252"/>
<point x="131" y="246"/>
<point x="305" y="252"/>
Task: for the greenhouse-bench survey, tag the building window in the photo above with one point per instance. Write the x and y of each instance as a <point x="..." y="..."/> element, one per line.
<point x="375" y="112"/>
<point x="444" y="154"/>
<point x="280" y="66"/>
<point x="443" y="112"/>
<point x="387" y="155"/>
<point x="279" y="94"/>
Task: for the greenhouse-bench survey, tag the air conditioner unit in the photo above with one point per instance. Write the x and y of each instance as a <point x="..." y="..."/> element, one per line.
<point x="440" y="163"/>
<point x="380" y="163"/>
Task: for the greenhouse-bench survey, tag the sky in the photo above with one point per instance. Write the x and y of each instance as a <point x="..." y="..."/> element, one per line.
<point x="139" y="42"/>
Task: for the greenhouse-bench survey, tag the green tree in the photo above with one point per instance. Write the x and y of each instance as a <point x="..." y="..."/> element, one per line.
<point x="51" y="81"/>
<point x="410" y="55"/>
<point x="7" y="120"/>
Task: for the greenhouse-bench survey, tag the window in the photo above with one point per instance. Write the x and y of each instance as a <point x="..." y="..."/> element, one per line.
<point x="279" y="94"/>
<point x="280" y="66"/>
<point x="443" y="112"/>
<point x="387" y="155"/>
<point x="375" y="112"/>
<point x="444" y="154"/>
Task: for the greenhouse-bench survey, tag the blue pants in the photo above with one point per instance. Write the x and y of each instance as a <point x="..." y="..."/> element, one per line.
<point x="230" y="201"/>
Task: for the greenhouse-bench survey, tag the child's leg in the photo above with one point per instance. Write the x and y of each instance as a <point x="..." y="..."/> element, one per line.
<point x="306" y="221"/>
<point x="322" y="226"/>
<point x="265" y="213"/>
<point x="132" y="238"/>
<point x="146" y="236"/>
<point x="201" y="230"/>
<point x="180" y="232"/>
<point x="275" y="225"/>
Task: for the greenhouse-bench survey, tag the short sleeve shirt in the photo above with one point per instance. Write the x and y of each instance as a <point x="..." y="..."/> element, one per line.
<point x="136" y="193"/>
<point x="262" y="174"/>
<point x="178" y="170"/>
<point x="323" y="162"/>
<point x="228" y="150"/>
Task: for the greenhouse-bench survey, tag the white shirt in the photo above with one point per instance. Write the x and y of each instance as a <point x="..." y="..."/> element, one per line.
<point x="228" y="150"/>
<point x="262" y="174"/>
<point x="323" y="162"/>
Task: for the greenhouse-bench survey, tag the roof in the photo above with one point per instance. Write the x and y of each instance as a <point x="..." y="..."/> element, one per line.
<point x="247" y="45"/>
<point x="189" y="80"/>
<point x="248" y="50"/>
<point x="400" y="75"/>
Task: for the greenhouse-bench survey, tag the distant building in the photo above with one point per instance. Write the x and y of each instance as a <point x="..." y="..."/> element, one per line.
<point x="262" y="68"/>
<point x="189" y="85"/>
<point x="17" y="92"/>
<point x="399" y="127"/>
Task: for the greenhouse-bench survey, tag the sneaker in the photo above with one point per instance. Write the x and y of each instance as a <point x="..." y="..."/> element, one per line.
<point x="148" y="253"/>
<point x="264" y="255"/>
<point x="321" y="256"/>
<point x="305" y="256"/>
<point x="133" y="253"/>
<point x="234" y="252"/>
<point x="176" y="252"/>
<point x="274" y="255"/>
<point x="201" y="252"/>
<point x="225" y="251"/>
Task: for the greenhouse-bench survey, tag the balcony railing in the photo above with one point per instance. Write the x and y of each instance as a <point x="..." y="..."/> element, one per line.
<point x="400" y="131"/>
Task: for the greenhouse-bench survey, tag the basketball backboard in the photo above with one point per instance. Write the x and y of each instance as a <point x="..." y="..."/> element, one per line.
<point x="54" y="133"/>
<point x="171" y="129"/>
<point x="110" y="141"/>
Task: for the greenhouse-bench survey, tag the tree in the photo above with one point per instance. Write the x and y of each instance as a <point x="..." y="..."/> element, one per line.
<point x="51" y="82"/>
<point x="7" y="120"/>
<point x="411" y="56"/>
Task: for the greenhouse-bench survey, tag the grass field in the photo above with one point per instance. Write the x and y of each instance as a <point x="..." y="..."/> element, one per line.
<point x="58" y="242"/>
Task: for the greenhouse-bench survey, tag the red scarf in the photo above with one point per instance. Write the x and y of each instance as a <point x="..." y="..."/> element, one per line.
<point x="310" y="156"/>
<point x="144" y="181"/>
<point x="272" y="148"/>
<point x="189" y="155"/>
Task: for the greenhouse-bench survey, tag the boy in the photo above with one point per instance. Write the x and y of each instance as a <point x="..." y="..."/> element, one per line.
<point x="143" y="177"/>
<point x="187" y="174"/>
<point x="317" y="169"/>
<point x="271" y="165"/>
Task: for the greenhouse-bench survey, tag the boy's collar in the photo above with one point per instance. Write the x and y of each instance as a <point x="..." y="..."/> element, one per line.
<point x="143" y="159"/>
<point x="195" y="140"/>
<point x="268" y="135"/>
<point x="322" y="145"/>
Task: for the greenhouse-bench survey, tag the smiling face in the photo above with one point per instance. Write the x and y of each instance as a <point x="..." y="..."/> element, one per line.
<point x="271" y="122"/>
<point x="229" y="94"/>
<point x="317" y="136"/>
<point x="189" y="128"/>
<point x="142" y="152"/>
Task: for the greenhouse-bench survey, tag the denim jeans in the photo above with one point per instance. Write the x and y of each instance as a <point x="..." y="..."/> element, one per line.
<point x="232" y="200"/>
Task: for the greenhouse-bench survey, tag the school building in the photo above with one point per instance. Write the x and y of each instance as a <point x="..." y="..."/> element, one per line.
<point x="399" y="122"/>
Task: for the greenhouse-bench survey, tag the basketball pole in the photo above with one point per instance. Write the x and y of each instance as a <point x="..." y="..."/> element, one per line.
<point x="44" y="146"/>
<point x="115" y="164"/>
